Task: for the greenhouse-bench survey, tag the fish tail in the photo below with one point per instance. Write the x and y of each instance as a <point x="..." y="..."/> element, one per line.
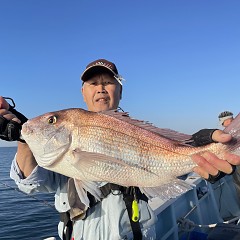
<point x="234" y="130"/>
<point x="172" y="189"/>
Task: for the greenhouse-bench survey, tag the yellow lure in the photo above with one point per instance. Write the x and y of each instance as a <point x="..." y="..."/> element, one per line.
<point x="135" y="212"/>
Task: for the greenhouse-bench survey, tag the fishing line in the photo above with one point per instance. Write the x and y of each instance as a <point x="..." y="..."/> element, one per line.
<point x="220" y="195"/>
<point x="35" y="198"/>
<point x="221" y="183"/>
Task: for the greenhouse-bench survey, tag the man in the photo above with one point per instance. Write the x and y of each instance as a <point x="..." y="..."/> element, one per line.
<point x="110" y="218"/>
<point x="225" y="118"/>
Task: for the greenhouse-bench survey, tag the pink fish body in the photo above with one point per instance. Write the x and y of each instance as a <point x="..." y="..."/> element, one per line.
<point x="112" y="147"/>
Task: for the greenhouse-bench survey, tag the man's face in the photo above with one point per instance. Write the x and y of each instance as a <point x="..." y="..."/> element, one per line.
<point x="227" y="122"/>
<point x="101" y="92"/>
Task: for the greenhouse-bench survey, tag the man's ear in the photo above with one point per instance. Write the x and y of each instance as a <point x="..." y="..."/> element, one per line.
<point x="82" y="90"/>
<point x="120" y="92"/>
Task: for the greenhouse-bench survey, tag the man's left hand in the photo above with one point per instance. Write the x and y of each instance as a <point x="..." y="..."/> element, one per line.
<point x="209" y="164"/>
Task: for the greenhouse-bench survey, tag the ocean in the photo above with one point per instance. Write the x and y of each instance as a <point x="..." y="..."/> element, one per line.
<point x="22" y="216"/>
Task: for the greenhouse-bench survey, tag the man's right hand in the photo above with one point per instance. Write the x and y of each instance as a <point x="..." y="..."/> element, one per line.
<point x="25" y="159"/>
<point x="10" y="125"/>
<point x="3" y="103"/>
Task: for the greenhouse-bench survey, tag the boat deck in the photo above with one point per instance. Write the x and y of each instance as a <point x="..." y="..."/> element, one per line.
<point x="205" y="204"/>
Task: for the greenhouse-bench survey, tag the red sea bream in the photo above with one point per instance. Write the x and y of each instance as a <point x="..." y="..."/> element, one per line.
<point x="112" y="147"/>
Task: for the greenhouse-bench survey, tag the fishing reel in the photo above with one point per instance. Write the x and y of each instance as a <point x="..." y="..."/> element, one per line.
<point x="9" y="129"/>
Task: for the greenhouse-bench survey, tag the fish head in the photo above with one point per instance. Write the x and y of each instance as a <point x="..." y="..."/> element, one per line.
<point x="48" y="136"/>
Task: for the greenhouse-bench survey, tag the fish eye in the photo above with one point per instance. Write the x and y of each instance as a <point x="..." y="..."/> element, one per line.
<point x="52" y="120"/>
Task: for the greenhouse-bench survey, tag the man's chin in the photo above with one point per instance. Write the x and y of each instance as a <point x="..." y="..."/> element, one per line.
<point x="102" y="107"/>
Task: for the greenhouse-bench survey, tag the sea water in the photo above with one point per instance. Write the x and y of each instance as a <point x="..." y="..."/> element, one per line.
<point x="23" y="216"/>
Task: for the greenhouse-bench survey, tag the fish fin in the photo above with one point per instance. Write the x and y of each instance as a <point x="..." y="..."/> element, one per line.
<point x="82" y="187"/>
<point x="234" y="130"/>
<point x="82" y="193"/>
<point x="167" y="191"/>
<point x="234" y="127"/>
<point x="163" y="132"/>
<point x="85" y="160"/>
<point x="93" y="188"/>
<point x="73" y="197"/>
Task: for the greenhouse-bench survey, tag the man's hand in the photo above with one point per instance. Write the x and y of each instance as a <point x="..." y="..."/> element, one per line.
<point x="8" y="115"/>
<point x="210" y="164"/>
<point x="3" y="103"/>
<point x="10" y="124"/>
<point x="4" y="106"/>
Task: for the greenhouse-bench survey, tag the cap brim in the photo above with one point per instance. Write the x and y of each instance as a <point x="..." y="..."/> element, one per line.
<point x="94" y="70"/>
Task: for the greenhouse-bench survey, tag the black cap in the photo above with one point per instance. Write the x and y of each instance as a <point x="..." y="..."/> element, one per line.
<point x="98" y="66"/>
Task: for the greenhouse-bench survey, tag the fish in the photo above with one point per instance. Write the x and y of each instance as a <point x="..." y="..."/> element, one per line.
<point x="94" y="148"/>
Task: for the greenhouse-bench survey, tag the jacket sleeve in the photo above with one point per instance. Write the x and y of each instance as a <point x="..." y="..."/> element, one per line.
<point x="40" y="180"/>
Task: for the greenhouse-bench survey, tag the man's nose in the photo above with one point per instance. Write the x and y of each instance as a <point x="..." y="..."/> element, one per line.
<point x="101" y="88"/>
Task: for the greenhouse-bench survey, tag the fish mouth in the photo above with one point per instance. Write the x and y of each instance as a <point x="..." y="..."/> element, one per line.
<point x="26" y="131"/>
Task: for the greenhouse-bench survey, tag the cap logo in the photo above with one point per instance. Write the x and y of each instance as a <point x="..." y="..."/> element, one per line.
<point x="103" y="64"/>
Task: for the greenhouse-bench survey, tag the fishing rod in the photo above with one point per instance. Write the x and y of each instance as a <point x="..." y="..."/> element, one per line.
<point x="35" y="198"/>
<point x="16" y="189"/>
<point x="13" y="103"/>
<point x="12" y="129"/>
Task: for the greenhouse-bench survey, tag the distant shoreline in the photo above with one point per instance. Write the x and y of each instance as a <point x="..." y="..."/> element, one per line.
<point x="8" y="146"/>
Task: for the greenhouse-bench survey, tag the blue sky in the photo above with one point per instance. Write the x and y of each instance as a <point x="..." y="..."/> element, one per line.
<point x="180" y="58"/>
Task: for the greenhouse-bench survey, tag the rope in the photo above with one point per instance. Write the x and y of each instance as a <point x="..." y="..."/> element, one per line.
<point x="187" y="225"/>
